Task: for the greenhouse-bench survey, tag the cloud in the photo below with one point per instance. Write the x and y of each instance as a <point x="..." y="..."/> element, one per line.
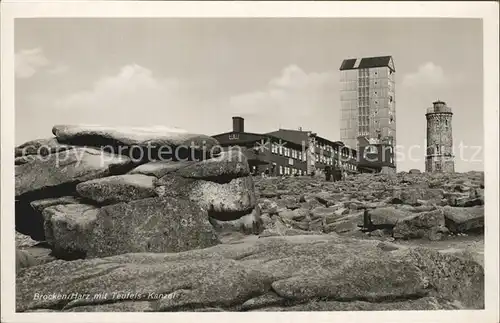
<point x="428" y="74"/>
<point x="294" y="93"/>
<point x="59" y="69"/>
<point x="134" y="85"/>
<point x="291" y="100"/>
<point x="134" y="96"/>
<point x="29" y="61"/>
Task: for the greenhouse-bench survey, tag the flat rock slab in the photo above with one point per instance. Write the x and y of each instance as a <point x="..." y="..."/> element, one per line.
<point x="258" y="274"/>
<point x="412" y="196"/>
<point x="228" y="165"/>
<point x="463" y="219"/>
<point x="421" y="304"/>
<point x="119" y="188"/>
<point x="349" y="223"/>
<point x="41" y="147"/>
<point x="157" y="137"/>
<point x="159" y="168"/>
<point x="387" y="216"/>
<point x="226" y="201"/>
<point x="70" y="166"/>
<point x="428" y="225"/>
<point x="40" y="205"/>
<point x="324" y="212"/>
<point x="150" y="225"/>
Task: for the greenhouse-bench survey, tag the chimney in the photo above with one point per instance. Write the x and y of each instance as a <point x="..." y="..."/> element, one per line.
<point x="238" y="124"/>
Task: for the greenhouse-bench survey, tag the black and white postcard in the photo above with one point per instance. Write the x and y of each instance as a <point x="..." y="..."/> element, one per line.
<point x="277" y="161"/>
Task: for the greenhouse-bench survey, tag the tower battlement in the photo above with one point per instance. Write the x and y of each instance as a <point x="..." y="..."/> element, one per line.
<point x="439" y="107"/>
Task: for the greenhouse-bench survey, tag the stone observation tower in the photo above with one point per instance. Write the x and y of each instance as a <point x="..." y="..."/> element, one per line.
<point x="439" y="157"/>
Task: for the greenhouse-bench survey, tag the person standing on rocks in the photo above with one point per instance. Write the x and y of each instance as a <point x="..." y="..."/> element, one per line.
<point x="328" y="173"/>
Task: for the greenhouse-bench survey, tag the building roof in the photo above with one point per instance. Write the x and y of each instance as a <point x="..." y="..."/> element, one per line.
<point x="270" y="135"/>
<point x="367" y="62"/>
<point x="298" y="137"/>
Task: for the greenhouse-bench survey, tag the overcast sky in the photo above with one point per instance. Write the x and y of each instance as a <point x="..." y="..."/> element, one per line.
<point x="198" y="73"/>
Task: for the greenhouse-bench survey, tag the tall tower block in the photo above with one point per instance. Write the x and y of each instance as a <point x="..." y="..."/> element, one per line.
<point x="368" y="109"/>
<point x="439" y="156"/>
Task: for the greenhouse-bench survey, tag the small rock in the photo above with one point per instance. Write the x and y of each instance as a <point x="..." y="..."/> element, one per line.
<point x="377" y="233"/>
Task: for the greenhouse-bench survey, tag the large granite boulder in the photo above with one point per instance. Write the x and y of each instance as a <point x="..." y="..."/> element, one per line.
<point x="41" y="147"/>
<point x="223" y="201"/>
<point x="260" y="274"/>
<point x="228" y="165"/>
<point x="235" y="197"/>
<point x="160" y="168"/>
<point x="150" y="225"/>
<point x="464" y="219"/>
<point x="146" y="225"/>
<point x="386" y="217"/>
<point x="346" y="224"/>
<point x="118" y="188"/>
<point x="66" y="168"/>
<point x="415" y="195"/>
<point x="29" y="218"/>
<point x="69" y="229"/>
<point x="429" y="225"/>
<point x="142" y="143"/>
<point x="465" y="199"/>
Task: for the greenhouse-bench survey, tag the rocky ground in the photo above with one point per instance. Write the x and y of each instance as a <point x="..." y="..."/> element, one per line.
<point x="130" y="234"/>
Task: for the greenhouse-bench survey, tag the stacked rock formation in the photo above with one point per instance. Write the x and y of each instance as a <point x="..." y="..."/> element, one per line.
<point x="146" y="232"/>
<point x="98" y="191"/>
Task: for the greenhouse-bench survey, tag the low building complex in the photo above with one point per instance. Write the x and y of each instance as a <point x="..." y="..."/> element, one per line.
<point x="288" y="152"/>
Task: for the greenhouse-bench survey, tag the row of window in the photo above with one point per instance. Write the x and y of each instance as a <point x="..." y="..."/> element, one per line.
<point x="325" y="147"/>
<point x="348" y="166"/>
<point x="364" y="100"/>
<point x="285" y="170"/>
<point x="288" y="152"/>
<point x="302" y="156"/>
<point x="331" y="162"/>
<point x="325" y="160"/>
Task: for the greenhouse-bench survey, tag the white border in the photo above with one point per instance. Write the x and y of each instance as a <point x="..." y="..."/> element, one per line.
<point x="488" y="11"/>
